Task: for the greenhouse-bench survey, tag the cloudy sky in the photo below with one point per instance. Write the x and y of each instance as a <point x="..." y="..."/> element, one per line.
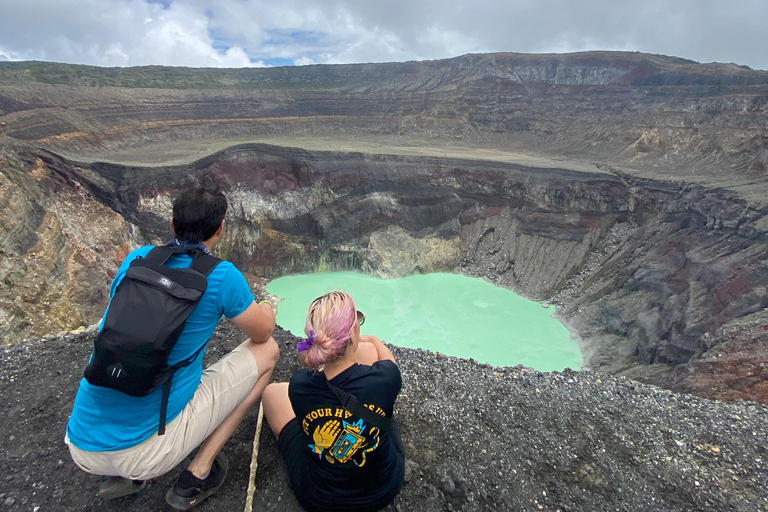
<point x="238" y="33"/>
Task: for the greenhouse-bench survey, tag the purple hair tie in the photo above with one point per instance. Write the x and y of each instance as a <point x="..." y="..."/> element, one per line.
<point x="304" y="345"/>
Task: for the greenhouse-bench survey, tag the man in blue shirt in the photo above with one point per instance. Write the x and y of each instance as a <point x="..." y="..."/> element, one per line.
<point x="115" y="435"/>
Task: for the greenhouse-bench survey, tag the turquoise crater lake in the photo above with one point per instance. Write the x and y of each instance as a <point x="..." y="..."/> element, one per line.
<point x="447" y="313"/>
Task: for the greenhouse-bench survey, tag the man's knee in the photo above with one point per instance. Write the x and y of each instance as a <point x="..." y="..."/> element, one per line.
<point x="266" y="354"/>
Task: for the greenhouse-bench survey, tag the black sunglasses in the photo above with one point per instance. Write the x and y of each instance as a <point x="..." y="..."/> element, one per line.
<point x="360" y="318"/>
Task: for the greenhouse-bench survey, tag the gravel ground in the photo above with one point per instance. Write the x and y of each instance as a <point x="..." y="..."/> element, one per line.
<point x="477" y="437"/>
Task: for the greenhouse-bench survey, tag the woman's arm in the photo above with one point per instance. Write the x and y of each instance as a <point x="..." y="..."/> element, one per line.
<point x="384" y="354"/>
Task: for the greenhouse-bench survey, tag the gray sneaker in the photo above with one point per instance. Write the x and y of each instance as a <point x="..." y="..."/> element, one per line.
<point x="113" y="487"/>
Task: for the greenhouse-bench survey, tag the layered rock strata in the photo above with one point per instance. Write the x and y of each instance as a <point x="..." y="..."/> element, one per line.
<point x="59" y="248"/>
<point x="666" y="116"/>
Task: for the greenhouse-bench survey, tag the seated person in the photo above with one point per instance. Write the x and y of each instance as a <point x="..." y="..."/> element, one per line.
<point x="116" y="435"/>
<point x="338" y="460"/>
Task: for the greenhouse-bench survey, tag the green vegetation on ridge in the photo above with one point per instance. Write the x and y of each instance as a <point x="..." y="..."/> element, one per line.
<point x="155" y="77"/>
<point x="650" y="69"/>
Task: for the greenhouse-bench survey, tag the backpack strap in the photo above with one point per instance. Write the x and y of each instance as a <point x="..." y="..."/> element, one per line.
<point x="167" y="388"/>
<point x="164" y="406"/>
<point x="201" y="262"/>
<point x="163" y="253"/>
<point x="204" y="263"/>
<point x="350" y="403"/>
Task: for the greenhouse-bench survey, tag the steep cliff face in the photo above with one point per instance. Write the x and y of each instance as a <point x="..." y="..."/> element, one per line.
<point x="58" y="248"/>
<point x="695" y="267"/>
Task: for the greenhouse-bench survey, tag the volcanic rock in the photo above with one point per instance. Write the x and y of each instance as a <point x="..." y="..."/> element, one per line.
<point x="476" y="437"/>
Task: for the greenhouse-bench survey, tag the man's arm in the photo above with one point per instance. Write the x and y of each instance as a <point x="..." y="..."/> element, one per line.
<point x="257" y="322"/>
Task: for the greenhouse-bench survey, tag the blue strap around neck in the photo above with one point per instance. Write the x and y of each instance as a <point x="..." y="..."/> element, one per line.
<point x="189" y="245"/>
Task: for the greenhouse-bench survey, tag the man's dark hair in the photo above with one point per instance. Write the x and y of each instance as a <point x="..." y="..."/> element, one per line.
<point x="197" y="214"/>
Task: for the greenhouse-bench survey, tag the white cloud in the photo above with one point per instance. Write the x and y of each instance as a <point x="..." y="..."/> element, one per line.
<point x="303" y="61"/>
<point x="234" y="32"/>
<point x="6" y="55"/>
<point x="113" y="33"/>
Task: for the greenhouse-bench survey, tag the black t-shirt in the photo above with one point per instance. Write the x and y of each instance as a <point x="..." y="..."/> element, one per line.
<point x="352" y="461"/>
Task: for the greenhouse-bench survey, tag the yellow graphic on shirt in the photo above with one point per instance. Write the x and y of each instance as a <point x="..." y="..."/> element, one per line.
<point x="325" y="436"/>
<point x="338" y="441"/>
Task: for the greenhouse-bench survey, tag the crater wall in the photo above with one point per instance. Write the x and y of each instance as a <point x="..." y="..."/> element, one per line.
<point x="647" y="274"/>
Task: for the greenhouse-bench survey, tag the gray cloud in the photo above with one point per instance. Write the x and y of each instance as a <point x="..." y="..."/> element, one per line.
<point x="236" y="32"/>
<point x="702" y="30"/>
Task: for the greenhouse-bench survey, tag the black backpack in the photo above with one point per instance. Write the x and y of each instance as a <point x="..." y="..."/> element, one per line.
<point x="144" y="320"/>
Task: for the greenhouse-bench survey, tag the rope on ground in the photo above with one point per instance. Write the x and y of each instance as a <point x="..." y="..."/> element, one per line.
<point x="254" y="463"/>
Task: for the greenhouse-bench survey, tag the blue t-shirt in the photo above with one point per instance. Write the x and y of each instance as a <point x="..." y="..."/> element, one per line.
<point x="104" y="419"/>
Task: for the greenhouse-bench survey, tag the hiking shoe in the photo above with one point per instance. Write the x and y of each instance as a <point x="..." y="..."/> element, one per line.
<point x="190" y="490"/>
<point x="112" y="487"/>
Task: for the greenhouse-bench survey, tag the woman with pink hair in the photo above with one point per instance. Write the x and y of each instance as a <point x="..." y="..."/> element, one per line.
<point x="333" y="420"/>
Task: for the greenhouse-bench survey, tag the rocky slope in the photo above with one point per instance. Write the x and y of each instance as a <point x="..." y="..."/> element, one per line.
<point x="477" y="438"/>
<point x="634" y="196"/>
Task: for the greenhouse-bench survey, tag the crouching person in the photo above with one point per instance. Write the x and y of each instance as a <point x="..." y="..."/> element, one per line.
<point x="333" y="421"/>
<point x="129" y="430"/>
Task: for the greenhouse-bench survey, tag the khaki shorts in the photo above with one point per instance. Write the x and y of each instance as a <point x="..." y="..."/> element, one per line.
<point x="223" y="386"/>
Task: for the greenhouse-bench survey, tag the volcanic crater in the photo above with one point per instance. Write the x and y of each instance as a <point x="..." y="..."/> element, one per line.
<point x="629" y="189"/>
